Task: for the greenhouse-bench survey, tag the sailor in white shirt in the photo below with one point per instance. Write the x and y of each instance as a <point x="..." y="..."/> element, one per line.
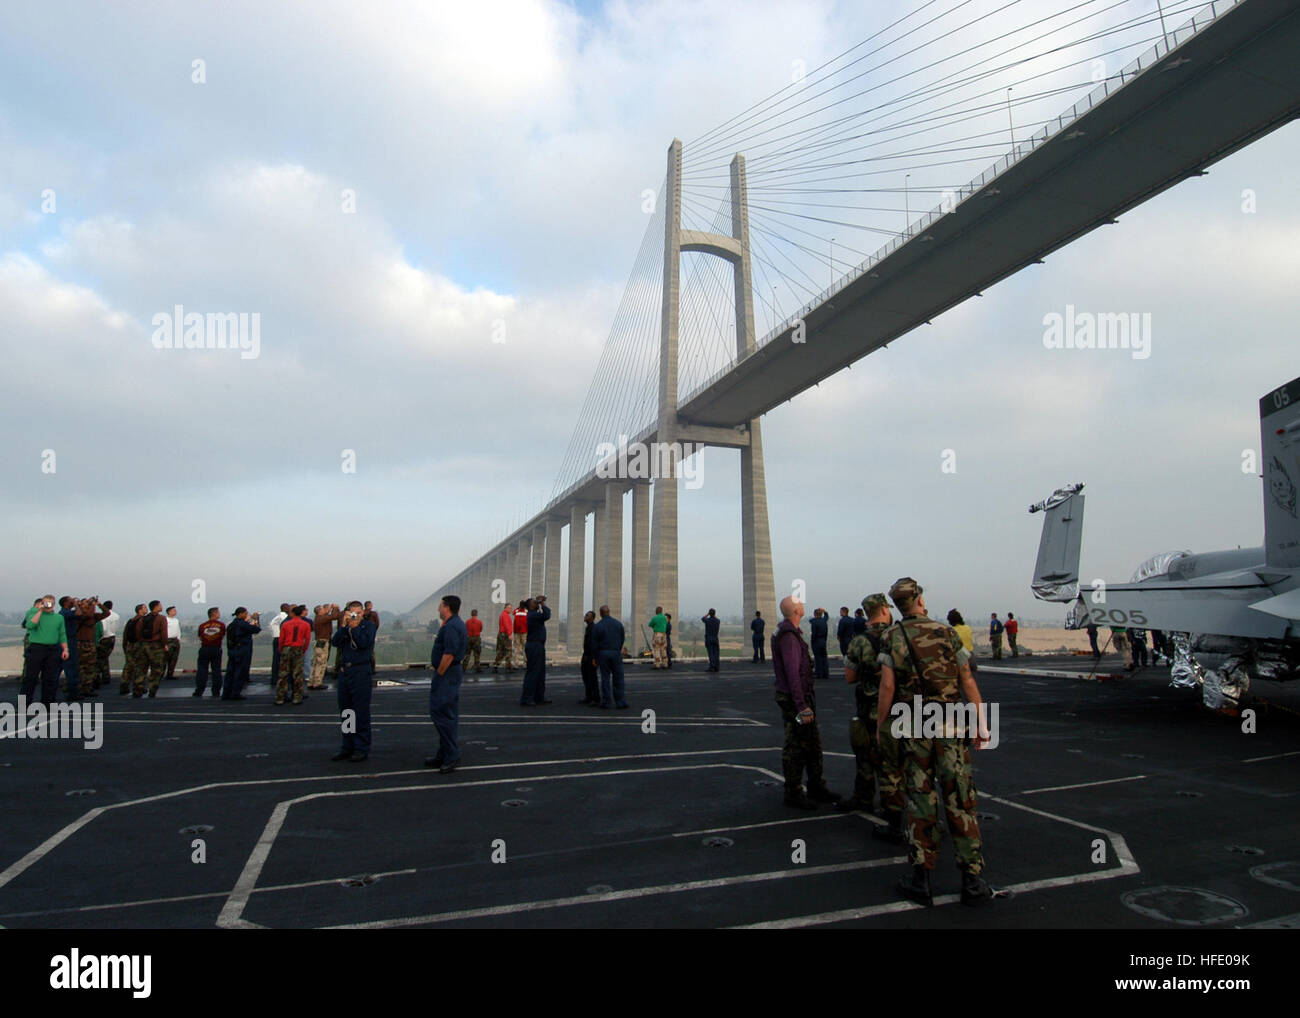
<point x="275" y="641"/>
<point x="107" y="640"/>
<point x="172" y="648"/>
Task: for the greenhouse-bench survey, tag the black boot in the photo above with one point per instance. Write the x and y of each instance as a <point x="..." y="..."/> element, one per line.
<point x="855" y="804"/>
<point x="917" y="886"/>
<point x="974" y="889"/>
<point x="797" y="800"/>
<point x="818" y="792"/>
<point x="893" y="832"/>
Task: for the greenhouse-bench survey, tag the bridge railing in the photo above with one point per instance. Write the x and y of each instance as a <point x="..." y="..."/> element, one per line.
<point x="1163" y="46"/>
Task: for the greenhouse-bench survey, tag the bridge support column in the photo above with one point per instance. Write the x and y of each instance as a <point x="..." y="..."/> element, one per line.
<point x="758" y="590"/>
<point x="663" y="526"/>
<point x="510" y="573"/>
<point x="551" y="576"/>
<point x="613" y="549"/>
<point x="599" y="555"/>
<point x="523" y="567"/>
<point x="577" y="567"/>
<point x="637" y="613"/>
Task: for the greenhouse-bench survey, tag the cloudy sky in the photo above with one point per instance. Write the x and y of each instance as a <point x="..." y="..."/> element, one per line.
<point x="389" y="186"/>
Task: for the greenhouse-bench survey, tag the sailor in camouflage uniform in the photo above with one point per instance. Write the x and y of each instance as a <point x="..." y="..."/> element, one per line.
<point x="133" y="673"/>
<point x="878" y="753"/>
<point x="933" y="767"/>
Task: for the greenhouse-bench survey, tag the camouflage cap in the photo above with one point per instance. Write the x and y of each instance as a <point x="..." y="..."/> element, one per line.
<point x="905" y="589"/>
<point x="874" y="602"/>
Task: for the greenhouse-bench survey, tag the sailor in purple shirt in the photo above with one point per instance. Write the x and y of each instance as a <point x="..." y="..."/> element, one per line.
<point x="794" y="695"/>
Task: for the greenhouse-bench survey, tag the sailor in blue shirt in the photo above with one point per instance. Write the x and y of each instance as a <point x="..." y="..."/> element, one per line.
<point x="355" y="638"/>
<point x="817" y="630"/>
<point x="535" y="653"/>
<point x="607" y="639"/>
<point x="844" y="631"/>
<point x="449" y="646"/>
<point x="711" y="646"/>
<point x="756" y="627"/>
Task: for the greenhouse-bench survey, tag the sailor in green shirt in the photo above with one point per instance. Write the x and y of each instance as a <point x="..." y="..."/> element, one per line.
<point x="659" y="642"/>
<point x="47" y="648"/>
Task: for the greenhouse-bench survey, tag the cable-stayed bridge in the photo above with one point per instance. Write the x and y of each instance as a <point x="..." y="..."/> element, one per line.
<point x="754" y="280"/>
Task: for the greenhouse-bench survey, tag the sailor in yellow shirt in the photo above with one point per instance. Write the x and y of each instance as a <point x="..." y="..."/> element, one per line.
<point x="967" y="637"/>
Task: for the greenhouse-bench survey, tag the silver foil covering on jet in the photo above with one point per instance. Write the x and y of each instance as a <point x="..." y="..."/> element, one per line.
<point x="1056" y="591"/>
<point x="1227" y="683"/>
<point x="1156" y="565"/>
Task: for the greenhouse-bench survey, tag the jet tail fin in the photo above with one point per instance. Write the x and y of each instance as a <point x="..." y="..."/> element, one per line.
<point x="1056" y="574"/>
<point x="1279" y="446"/>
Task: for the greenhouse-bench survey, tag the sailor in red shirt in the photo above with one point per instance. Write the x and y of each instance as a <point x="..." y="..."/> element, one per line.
<point x="520" y="631"/>
<point x="505" y="627"/>
<point x="474" y="627"/>
<point x="1012" y="628"/>
<point x="295" y="634"/>
<point x="211" y="635"/>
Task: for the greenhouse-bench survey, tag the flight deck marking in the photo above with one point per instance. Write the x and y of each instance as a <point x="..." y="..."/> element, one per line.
<point x="191" y="897"/>
<point x="1086" y="784"/>
<point x="769" y="823"/>
<point x="231" y="916"/>
<point x="635" y="892"/>
<point x="53" y="842"/>
<point x="1275" y="756"/>
<point x="1127" y="866"/>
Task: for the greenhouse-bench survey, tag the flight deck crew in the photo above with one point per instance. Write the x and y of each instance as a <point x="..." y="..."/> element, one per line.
<point x="211" y="633"/>
<point x="668" y="639"/>
<point x="47" y="648"/>
<point x="519" y="633"/>
<point x="877" y="753"/>
<point x="711" y="645"/>
<point x="153" y="638"/>
<point x="69" y="665"/>
<point x="818" y="627"/>
<point x="659" y="637"/>
<point x="844" y="631"/>
<point x="474" y="627"/>
<point x="107" y="640"/>
<point x="505" y="630"/>
<point x="449" y="647"/>
<point x="1092" y="639"/>
<point x="322" y="629"/>
<point x="756" y="626"/>
<point x="295" y="635"/>
<point x="995" y="635"/>
<point x="372" y="616"/>
<point x="607" y="638"/>
<point x="354" y="639"/>
<point x="89" y="615"/>
<point x="277" y="620"/>
<point x="239" y="652"/>
<point x="134" y="670"/>
<point x="172" y="645"/>
<point x="923" y="658"/>
<point x="535" y="652"/>
<point x="794" y="696"/>
<point x="1013" y="628"/>
<point x="590" y="681"/>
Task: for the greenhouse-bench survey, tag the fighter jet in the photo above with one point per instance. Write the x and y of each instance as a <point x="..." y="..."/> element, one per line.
<point x="1231" y="615"/>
